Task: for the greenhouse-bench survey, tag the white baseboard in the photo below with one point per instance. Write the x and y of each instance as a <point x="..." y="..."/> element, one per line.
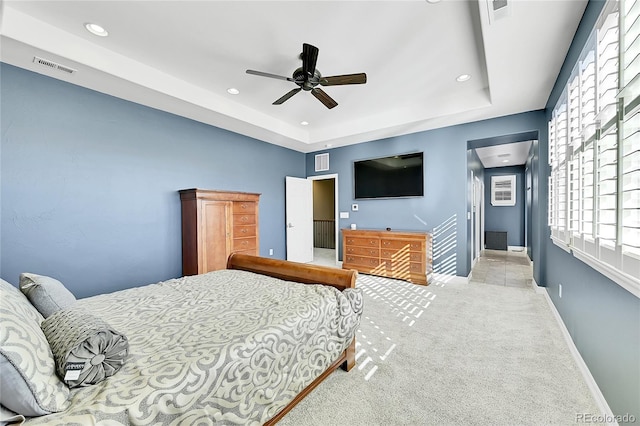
<point x="538" y="289"/>
<point x="605" y="411"/>
<point x="515" y="248"/>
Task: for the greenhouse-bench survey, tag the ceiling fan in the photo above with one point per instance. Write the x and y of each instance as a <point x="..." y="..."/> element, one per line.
<point x="308" y="77"/>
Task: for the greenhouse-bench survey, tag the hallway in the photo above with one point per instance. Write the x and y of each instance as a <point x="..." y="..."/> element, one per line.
<point x="502" y="268"/>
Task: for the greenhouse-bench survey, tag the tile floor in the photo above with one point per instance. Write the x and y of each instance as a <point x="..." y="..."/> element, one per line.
<point x="504" y="268"/>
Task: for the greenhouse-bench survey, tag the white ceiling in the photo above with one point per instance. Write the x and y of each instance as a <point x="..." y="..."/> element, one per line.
<point x="182" y="56"/>
<point x="511" y="154"/>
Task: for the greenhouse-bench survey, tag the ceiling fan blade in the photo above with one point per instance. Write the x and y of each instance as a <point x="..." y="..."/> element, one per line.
<point x="324" y="98"/>
<point x="309" y="59"/>
<point x="287" y="96"/>
<point x="338" y="80"/>
<point x="266" y="74"/>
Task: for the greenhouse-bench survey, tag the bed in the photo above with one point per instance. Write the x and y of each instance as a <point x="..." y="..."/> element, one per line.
<point x="237" y="346"/>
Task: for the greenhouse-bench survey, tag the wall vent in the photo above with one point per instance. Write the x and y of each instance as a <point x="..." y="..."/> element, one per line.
<point x="322" y="162"/>
<point x="503" y="190"/>
<point x="498" y="9"/>
<point x="53" y="65"/>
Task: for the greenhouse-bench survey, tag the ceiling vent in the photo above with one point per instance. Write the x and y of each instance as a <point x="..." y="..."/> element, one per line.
<point x="322" y="162"/>
<point x="53" y="65"/>
<point x="498" y="9"/>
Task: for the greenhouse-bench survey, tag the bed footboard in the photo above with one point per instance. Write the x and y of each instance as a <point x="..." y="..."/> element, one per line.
<point x="293" y="271"/>
<point x="308" y="274"/>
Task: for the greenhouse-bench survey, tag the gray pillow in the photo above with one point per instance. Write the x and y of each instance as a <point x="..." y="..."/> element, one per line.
<point x="28" y="381"/>
<point x="8" y="417"/>
<point x="47" y="294"/>
<point x="87" y="350"/>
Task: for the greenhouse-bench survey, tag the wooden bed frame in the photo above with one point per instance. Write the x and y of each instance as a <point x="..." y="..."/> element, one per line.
<point x="308" y="274"/>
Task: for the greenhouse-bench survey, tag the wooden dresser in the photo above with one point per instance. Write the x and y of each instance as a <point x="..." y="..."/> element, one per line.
<point x="393" y="254"/>
<point x="214" y="225"/>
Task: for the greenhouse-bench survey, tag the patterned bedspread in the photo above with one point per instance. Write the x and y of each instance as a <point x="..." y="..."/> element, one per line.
<point x="227" y="347"/>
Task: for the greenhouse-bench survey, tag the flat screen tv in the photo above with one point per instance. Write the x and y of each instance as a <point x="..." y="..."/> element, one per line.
<point x="389" y="177"/>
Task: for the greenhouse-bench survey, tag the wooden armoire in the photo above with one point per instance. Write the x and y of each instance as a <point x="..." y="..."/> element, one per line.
<point x="214" y="225"/>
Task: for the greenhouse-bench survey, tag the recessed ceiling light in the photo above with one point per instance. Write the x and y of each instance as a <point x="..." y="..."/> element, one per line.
<point x="433" y="1"/>
<point x="233" y="91"/>
<point x="463" y="77"/>
<point x="96" y="29"/>
<point x="328" y="145"/>
<point x="505" y="161"/>
<point x="304" y="123"/>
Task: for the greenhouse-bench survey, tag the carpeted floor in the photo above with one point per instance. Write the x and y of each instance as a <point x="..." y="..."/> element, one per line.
<point x="476" y="354"/>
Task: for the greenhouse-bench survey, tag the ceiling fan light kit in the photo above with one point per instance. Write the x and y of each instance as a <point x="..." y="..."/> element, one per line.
<point x="307" y="77"/>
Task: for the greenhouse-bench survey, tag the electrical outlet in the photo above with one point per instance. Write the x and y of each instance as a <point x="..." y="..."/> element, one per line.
<point x="560" y="291"/>
<point x="270" y="252"/>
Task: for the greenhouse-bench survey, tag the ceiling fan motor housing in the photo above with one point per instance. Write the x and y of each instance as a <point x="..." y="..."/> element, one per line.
<point x="299" y="77"/>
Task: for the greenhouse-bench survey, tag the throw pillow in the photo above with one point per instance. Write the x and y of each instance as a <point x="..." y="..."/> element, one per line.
<point x="47" y="294"/>
<point x="87" y="350"/>
<point x="27" y="368"/>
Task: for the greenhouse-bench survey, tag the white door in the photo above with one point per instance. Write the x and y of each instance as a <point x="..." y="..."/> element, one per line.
<point x="299" y="219"/>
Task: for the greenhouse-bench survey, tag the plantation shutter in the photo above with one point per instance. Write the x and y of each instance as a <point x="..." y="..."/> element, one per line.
<point x="630" y="137"/>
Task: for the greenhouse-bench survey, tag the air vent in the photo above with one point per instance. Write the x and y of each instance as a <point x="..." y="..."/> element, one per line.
<point x="498" y="9"/>
<point x="322" y="162"/>
<point x="53" y="65"/>
<point x="503" y="190"/>
<point x="499" y="4"/>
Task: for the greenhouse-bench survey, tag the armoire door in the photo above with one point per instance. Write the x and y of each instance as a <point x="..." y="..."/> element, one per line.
<point x="216" y="235"/>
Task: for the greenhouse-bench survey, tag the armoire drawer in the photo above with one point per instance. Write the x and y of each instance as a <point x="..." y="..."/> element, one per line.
<point x="244" y="243"/>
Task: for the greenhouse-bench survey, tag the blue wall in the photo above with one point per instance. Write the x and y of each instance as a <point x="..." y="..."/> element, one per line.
<point x="443" y="209"/>
<point x="89" y="184"/>
<point x="506" y="218"/>
<point x="602" y="318"/>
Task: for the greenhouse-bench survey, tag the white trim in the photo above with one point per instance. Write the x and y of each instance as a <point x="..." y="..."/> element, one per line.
<point x="537" y="288"/>
<point x="516" y="248"/>
<point x="558" y="242"/>
<point x="623" y="280"/>
<point x="605" y="411"/>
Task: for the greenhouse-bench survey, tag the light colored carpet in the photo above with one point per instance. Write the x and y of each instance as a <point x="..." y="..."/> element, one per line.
<point x="473" y="354"/>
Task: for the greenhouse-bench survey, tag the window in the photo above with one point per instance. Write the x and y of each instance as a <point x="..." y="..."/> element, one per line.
<point x="594" y="150"/>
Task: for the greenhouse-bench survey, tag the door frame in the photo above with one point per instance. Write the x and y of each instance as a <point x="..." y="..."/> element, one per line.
<point x="336" y="213"/>
<point x="477" y="218"/>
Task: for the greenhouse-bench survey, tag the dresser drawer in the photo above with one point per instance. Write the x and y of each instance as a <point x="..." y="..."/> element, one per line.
<point x="364" y="251"/>
<point x="244" y="219"/>
<point x="402" y="244"/>
<point x="362" y="242"/>
<point x="371" y="262"/>
<point x="241" y="231"/>
<point x="240" y="244"/>
<point x="242" y="207"/>
<point x="411" y="256"/>
<point x="404" y="266"/>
